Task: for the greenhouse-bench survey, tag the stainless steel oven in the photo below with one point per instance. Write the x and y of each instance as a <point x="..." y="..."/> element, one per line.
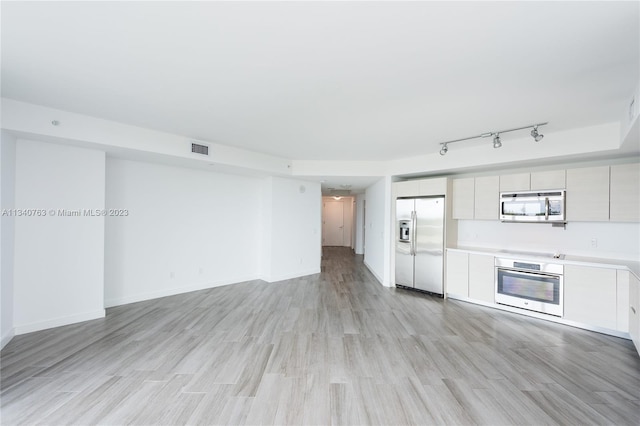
<point x="536" y="286"/>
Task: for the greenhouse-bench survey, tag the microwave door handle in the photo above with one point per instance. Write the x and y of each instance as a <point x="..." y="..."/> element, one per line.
<point x="546" y="208"/>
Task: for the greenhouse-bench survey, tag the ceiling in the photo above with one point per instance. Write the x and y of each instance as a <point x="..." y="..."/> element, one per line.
<point x="326" y="80"/>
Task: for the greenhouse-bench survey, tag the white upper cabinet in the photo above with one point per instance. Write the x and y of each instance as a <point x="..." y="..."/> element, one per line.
<point x="625" y="193"/>
<point x="420" y="187"/>
<point x="593" y="194"/>
<point x="515" y="182"/>
<point x="487" y="197"/>
<point x="434" y="186"/>
<point x="553" y="179"/>
<point x="408" y="188"/>
<point x="463" y="198"/>
<point x="588" y="194"/>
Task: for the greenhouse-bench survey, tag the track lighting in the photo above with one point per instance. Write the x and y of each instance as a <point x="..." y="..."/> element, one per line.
<point x="497" y="142"/>
<point x="535" y="135"/>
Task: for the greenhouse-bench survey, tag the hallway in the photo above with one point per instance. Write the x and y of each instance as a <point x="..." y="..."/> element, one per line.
<point x="331" y="348"/>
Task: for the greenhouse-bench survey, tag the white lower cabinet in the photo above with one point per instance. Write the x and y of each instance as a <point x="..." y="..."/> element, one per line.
<point x="634" y="311"/>
<point x="622" y="300"/>
<point x="481" y="278"/>
<point x="457" y="274"/>
<point x="590" y="296"/>
<point x="594" y="297"/>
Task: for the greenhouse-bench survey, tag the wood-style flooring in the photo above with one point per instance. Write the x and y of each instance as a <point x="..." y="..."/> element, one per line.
<point x="332" y="348"/>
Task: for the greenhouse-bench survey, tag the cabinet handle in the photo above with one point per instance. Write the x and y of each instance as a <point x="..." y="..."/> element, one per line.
<point x="633" y="309"/>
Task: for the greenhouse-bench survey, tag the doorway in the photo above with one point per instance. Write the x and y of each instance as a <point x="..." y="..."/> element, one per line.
<point x="337" y="221"/>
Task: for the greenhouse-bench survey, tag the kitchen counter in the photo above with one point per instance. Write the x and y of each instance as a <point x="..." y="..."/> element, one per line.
<point x="630" y="265"/>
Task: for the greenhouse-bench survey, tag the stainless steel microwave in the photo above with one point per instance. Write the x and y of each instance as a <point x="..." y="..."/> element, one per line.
<point x="533" y="206"/>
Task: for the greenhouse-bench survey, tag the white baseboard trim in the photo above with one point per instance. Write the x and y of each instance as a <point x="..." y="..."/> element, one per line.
<point x="273" y="279"/>
<point x="141" y="297"/>
<point x="379" y="278"/>
<point x="7" y="338"/>
<point x="58" y="322"/>
<point x="616" y="333"/>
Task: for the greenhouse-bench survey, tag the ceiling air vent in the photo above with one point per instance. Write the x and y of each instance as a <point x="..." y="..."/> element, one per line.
<point x="197" y="148"/>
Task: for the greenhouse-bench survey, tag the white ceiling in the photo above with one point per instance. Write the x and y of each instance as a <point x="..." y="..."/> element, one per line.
<point x="326" y="80"/>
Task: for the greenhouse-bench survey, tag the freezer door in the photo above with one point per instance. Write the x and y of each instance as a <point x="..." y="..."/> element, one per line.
<point x="429" y="244"/>
<point x="404" y="241"/>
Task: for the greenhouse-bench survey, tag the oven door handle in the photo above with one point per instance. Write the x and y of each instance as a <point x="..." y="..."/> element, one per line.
<point x="525" y="272"/>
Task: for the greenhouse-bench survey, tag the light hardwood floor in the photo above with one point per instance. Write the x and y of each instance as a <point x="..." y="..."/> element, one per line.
<point x="333" y="348"/>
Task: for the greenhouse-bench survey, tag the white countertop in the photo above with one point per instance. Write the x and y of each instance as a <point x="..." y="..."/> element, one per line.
<point x="566" y="259"/>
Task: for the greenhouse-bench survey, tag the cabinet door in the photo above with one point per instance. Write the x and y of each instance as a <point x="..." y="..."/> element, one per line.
<point x="588" y="194"/>
<point x="457" y="274"/>
<point x="590" y="296"/>
<point x="436" y="186"/>
<point x="625" y="193"/>
<point x="463" y="194"/>
<point x="515" y="182"/>
<point x="554" y="179"/>
<point x="487" y="198"/>
<point x="622" y="300"/>
<point x="634" y="311"/>
<point x="407" y="188"/>
<point x="481" y="278"/>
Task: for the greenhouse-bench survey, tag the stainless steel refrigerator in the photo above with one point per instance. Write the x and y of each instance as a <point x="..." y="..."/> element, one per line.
<point x="420" y="243"/>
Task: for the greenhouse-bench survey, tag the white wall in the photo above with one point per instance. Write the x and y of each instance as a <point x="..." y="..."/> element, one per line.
<point x="376" y="252"/>
<point x="614" y="240"/>
<point x="186" y="230"/>
<point x="118" y="137"/>
<point x="7" y="227"/>
<point x="630" y="114"/>
<point x="58" y="275"/>
<point x="292" y="245"/>
<point x="359" y="225"/>
<point x="348" y="210"/>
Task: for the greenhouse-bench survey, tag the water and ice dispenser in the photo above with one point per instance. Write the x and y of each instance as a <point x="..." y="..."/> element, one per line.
<point x="405" y="230"/>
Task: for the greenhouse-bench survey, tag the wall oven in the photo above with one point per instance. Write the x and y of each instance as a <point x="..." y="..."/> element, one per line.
<point x="536" y="286"/>
<point x="533" y="206"/>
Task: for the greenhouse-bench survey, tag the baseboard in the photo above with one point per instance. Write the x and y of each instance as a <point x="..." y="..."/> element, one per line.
<point x="6" y="338"/>
<point x="602" y="330"/>
<point x="377" y="277"/>
<point x="276" y="278"/>
<point x="141" y="297"/>
<point x="58" y="322"/>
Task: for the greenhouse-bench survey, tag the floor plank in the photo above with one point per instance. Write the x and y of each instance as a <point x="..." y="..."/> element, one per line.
<point x="332" y="348"/>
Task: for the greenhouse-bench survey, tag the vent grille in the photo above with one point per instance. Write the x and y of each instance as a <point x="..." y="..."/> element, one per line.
<point x="199" y="149"/>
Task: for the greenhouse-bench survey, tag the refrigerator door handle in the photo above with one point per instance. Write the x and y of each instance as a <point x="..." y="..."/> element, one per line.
<point x="414" y="233"/>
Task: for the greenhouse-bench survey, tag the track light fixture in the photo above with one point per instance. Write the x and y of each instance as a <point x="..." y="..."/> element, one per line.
<point x="497" y="142"/>
<point x="535" y="135"/>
